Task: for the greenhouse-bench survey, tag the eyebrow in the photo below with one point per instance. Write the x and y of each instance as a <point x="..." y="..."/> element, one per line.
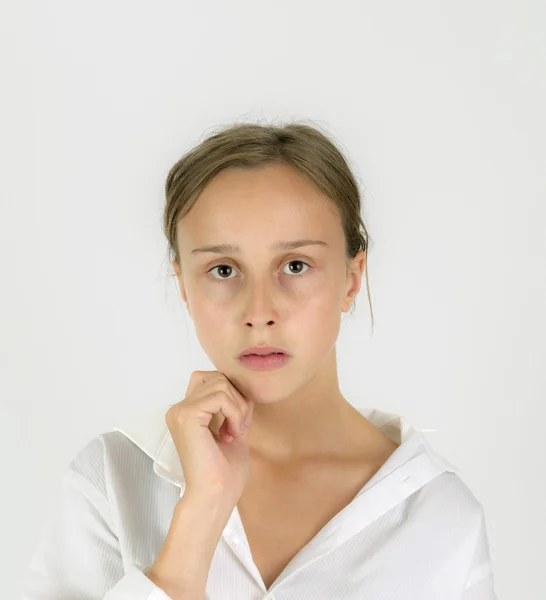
<point x="226" y="248"/>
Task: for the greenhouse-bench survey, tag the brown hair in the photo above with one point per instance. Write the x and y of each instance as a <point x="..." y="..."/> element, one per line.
<point x="251" y="145"/>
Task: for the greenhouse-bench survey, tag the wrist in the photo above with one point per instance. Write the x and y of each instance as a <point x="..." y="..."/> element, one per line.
<point x="213" y="505"/>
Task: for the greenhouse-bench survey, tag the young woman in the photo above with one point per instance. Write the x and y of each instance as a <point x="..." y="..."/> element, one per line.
<point x="264" y="481"/>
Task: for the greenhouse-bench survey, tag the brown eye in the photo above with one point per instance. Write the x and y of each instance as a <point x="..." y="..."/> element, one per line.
<point x="223" y="268"/>
<point x="298" y="262"/>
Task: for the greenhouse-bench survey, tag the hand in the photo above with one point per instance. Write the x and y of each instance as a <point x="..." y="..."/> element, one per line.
<point x="214" y="466"/>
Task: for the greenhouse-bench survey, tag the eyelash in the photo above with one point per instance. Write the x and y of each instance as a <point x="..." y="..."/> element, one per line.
<point x="290" y="261"/>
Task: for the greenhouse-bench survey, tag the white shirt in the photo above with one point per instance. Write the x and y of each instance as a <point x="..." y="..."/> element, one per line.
<point x="415" y="531"/>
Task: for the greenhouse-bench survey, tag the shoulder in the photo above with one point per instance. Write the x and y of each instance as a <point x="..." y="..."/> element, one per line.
<point x="108" y="458"/>
<point x="448" y="505"/>
<point x="447" y="498"/>
<point x="450" y="488"/>
<point x="457" y="522"/>
<point x="128" y="448"/>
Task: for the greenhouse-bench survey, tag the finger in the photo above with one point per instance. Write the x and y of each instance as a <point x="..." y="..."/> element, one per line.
<point x="201" y="383"/>
<point x="239" y="402"/>
<point x="233" y="423"/>
<point x="223" y="434"/>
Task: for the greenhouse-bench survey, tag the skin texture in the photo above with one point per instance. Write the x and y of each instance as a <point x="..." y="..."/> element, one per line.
<point x="261" y="297"/>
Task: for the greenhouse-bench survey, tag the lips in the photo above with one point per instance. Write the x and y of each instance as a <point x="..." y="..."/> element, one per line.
<point x="269" y="362"/>
<point x="263" y="351"/>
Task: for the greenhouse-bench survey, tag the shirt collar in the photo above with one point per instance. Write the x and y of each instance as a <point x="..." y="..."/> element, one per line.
<point x="149" y="431"/>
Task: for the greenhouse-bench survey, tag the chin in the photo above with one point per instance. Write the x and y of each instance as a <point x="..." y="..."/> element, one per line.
<point x="268" y="394"/>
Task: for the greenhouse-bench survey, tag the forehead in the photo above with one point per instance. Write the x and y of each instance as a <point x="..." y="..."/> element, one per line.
<point x="271" y="202"/>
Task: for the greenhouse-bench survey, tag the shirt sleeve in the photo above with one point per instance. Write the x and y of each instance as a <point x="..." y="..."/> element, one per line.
<point x="480" y="581"/>
<point x="78" y="555"/>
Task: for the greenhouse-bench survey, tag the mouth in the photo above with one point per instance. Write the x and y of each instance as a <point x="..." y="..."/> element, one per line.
<point x="260" y="354"/>
<point x="268" y="362"/>
<point x="263" y="350"/>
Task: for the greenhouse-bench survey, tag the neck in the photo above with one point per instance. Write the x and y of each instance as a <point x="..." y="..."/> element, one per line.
<point x="292" y="431"/>
<point x="313" y="421"/>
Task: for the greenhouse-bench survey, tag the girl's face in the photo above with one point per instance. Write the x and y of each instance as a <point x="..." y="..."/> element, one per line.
<point x="257" y="293"/>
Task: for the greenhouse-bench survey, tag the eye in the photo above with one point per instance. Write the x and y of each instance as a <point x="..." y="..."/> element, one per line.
<point x="230" y="267"/>
<point x="300" y="262"/>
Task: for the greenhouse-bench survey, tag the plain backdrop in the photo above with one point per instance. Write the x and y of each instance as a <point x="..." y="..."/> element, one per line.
<point x="439" y="107"/>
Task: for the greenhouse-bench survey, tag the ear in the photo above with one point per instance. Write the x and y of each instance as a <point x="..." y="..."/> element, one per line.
<point x="355" y="269"/>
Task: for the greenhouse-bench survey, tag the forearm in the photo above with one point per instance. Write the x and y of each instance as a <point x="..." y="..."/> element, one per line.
<point x="181" y="568"/>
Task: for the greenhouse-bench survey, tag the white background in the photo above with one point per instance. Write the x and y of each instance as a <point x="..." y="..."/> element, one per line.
<point x="439" y="106"/>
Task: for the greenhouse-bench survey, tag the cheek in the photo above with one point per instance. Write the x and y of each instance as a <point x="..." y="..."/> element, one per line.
<point x="318" y="319"/>
<point x="216" y="337"/>
<point x="210" y="319"/>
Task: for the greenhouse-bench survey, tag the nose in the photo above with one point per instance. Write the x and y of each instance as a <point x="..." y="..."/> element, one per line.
<point x="259" y="306"/>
